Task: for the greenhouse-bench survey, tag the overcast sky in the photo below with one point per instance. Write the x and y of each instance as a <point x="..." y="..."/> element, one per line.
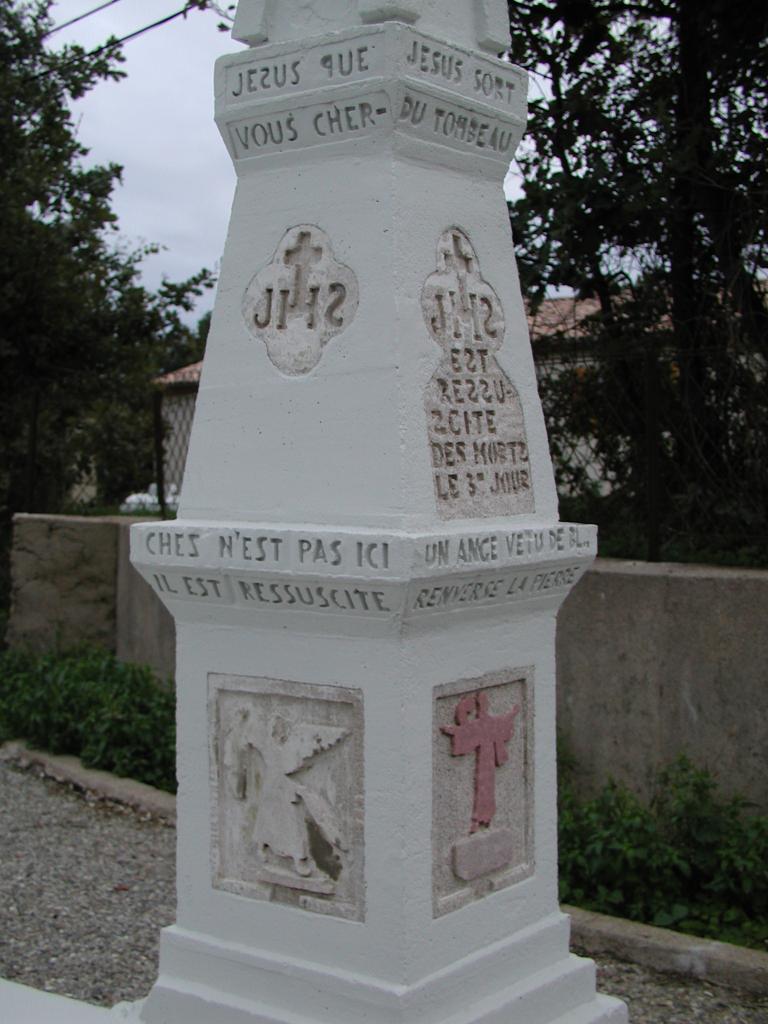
<point x="157" y="123"/>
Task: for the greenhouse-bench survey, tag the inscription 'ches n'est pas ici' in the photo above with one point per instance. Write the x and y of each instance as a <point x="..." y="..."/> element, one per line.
<point x="477" y="439"/>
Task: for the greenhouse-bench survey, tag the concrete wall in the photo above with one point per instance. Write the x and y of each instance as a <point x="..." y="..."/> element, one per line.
<point x="653" y="660"/>
<point x="657" y="660"/>
<point x="71" y="583"/>
<point x="145" y="630"/>
<point x="63" y="573"/>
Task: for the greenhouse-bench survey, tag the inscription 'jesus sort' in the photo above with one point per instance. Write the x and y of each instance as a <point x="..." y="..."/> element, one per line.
<point x="486" y="736"/>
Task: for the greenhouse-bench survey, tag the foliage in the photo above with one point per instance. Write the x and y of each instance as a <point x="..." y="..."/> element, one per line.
<point x="645" y="187"/>
<point x="80" y="338"/>
<point x="113" y="715"/>
<point x="689" y="861"/>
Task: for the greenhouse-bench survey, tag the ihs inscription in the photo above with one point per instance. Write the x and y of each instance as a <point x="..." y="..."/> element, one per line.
<point x="301" y="300"/>
<point x="477" y="439"/>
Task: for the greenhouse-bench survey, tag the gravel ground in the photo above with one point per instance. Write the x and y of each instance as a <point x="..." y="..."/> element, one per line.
<point x="85" y="887"/>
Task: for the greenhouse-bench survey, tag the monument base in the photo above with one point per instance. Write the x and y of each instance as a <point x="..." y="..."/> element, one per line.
<point x="21" y="1004"/>
<point x="529" y="976"/>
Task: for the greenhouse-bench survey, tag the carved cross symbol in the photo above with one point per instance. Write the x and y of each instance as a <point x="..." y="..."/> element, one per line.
<point x="460" y="262"/>
<point x="301" y="257"/>
<point x="487" y="735"/>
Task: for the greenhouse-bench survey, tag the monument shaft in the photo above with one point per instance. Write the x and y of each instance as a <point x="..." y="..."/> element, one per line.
<point x="367" y="564"/>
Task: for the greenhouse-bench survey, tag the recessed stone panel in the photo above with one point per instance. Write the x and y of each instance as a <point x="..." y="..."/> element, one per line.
<point x="477" y="440"/>
<point x="482" y="804"/>
<point x="287" y="793"/>
<point x="301" y="300"/>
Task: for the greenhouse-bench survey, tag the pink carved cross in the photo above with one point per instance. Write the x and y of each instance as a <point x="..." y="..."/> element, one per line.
<point x="487" y="735"/>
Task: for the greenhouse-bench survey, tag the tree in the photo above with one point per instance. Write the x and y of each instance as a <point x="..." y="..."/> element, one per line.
<point x="645" y="186"/>
<point x="80" y="338"/>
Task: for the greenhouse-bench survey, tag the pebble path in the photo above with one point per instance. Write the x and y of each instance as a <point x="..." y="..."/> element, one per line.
<point x="85" y="887"/>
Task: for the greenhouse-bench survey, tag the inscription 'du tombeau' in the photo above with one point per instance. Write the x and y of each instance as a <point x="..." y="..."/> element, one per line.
<point x="477" y="439"/>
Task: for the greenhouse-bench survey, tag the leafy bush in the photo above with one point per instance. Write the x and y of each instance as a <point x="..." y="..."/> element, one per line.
<point x="690" y="860"/>
<point x="113" y="715"/>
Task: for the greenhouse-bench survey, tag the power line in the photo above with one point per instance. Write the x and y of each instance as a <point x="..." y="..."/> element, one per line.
<point x="140" y="31"/>
<point x="112" y="43"/>
<point x="80" y="17"/>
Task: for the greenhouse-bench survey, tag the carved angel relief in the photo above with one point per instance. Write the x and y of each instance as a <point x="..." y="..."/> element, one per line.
<point x="275" y="750"/>
<point x="301" y="300"/>
<point x="288" y="793"/>
<point x="477" y="438"/>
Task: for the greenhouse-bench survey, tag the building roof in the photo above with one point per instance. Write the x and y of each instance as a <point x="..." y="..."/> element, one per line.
<point x="184" y="376"/>
<point x="561" y="316"/>
<point x="554" y="318"/>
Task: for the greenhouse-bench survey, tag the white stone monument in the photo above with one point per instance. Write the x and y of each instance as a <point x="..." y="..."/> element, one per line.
<point x="367" y="564"/>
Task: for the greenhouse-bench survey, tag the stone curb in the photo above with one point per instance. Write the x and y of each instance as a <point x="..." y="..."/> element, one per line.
<point x="659" y="948"/>
<point x="670" y="952"/>
<point x="65" y="768"/>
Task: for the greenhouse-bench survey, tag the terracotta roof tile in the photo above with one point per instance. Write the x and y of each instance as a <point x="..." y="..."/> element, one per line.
<point x="553" y="317"/>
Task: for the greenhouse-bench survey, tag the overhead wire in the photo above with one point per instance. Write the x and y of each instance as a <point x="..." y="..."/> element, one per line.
<point x="191" y="5"/>
<point x="80" y="17"/>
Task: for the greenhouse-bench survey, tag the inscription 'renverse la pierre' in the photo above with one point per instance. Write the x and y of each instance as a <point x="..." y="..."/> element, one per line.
<point x="492" y="590"/>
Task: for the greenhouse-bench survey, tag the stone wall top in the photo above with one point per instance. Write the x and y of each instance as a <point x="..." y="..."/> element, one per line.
<point x="481" y="25"/>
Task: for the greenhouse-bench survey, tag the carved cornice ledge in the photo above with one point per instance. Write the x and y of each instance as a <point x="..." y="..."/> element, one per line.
<point x="304" y="574"/>
<point x="355" y="88"/>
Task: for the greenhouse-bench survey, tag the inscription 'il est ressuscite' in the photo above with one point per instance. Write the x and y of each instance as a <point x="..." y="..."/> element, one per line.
<point x="477" y="438"/>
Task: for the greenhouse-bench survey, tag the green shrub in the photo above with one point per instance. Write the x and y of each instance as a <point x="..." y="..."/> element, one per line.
<point x="113" y="715"/>
<point x="690" y="860"/>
